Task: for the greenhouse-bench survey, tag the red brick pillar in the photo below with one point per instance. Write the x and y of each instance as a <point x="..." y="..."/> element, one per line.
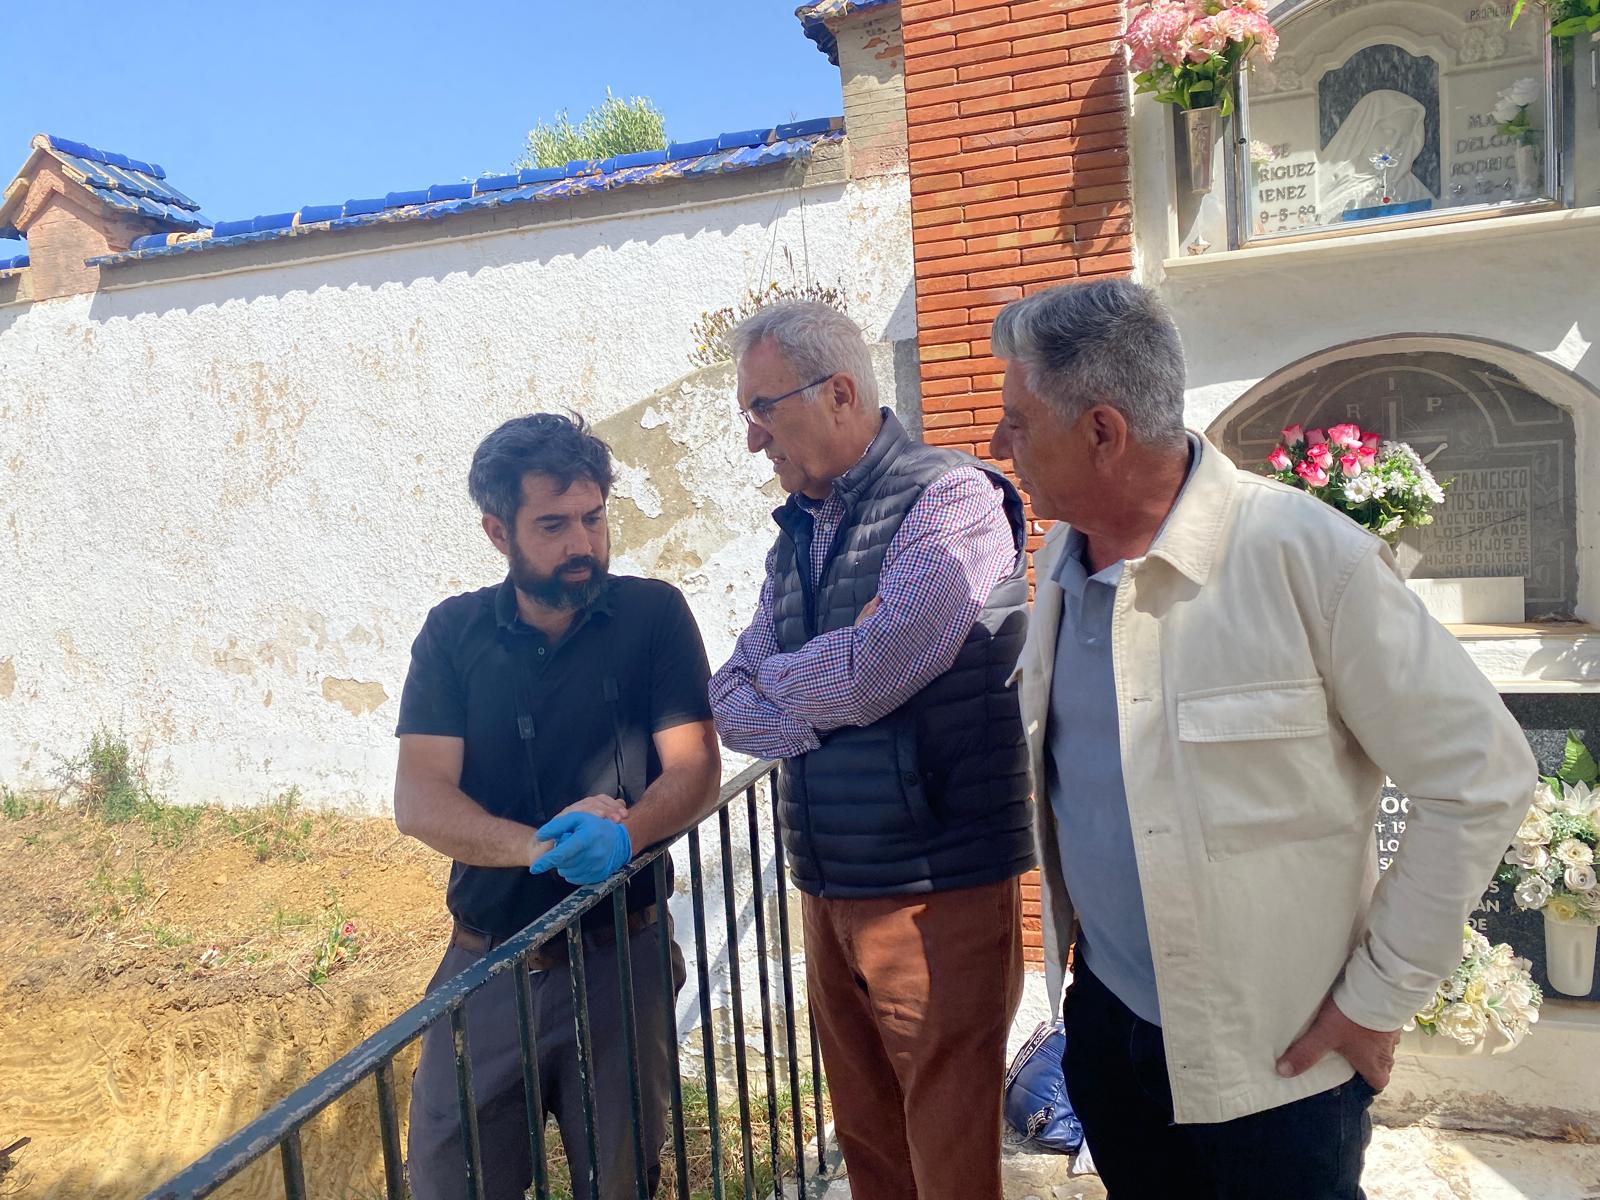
<point x="1016" y="124"/>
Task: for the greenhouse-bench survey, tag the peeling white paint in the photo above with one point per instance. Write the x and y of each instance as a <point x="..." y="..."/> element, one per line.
<point x="217" y="493"/>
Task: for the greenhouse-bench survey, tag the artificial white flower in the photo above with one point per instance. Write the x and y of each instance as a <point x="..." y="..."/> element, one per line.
<point x="1506" y="109"/>
<point x="1452" y="988"/>
<point x="1580" y="879"/>
<point x="1546" y="797"/>
<point x="1532" y="855"/>
<point x="1390" y="526"/>
<point x="1533" y="892"/>
<point x="1573" y="853"/>
<point x="1361" y="488"/>
<point x="1535" y="828"/>
<point x="1524" y="91"/>
<point x="1464" y="1022"/>
<point x="1579" y="799"/>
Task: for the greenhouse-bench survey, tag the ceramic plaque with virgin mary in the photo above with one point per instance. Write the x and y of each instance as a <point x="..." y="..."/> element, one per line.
<point x="1381" y="109"/>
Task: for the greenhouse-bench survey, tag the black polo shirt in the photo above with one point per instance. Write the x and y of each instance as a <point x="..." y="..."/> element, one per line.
<point x="632" y="664"/>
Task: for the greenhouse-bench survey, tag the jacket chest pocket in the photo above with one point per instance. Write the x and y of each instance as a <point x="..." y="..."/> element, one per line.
<point x="1258" y="762"/>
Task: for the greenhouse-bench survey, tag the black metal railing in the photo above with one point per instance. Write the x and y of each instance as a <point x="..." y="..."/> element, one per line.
<point x="372" y="1063"/>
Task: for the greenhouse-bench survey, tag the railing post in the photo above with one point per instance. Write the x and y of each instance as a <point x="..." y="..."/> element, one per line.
<point x="580" y="1015"/>
<point x="630" y="1036"/>
<point x="394" y="1176"/>
<point x="669" y="1002"/>
<point x="759" y="902"/>
<point x="467" y="1101"/>
<point x="736" y="986"/>
<point x="785" y="948"/>
<point x="532" y="1091"/>
<point x="697" y="896"/>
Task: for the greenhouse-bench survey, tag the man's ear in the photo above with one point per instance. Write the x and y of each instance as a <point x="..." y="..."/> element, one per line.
<point x="496" y="529"/>
<point x="842" y="393"/>
<point x="1107" y="431"/>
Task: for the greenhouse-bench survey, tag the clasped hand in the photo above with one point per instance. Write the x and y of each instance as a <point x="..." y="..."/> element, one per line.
<point x="591" y="842"/>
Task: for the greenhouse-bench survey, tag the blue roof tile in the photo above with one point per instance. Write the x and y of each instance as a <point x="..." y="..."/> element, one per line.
<point x="681" y="160"/>
<point x="318" y="212"/>
<point x="129" y="185"/>
<point x="691" y="149"/>
<point x="749" y="137"/>
<point x="14" y="264"/>
<point x="814" y="20"/>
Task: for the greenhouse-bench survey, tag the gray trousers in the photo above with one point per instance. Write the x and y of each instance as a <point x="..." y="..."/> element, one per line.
<point x="435" y="1158"/>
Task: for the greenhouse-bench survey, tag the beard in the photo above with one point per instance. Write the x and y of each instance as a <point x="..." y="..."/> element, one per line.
<point x="554" y="591"/>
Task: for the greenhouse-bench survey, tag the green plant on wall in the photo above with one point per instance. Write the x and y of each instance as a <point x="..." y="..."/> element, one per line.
<point x="616" y="126"/>
<point x="1568" y="18"/>
<point x="711" y="329"/>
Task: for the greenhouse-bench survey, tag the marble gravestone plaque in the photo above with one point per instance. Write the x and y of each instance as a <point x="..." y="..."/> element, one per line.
<point x="1545" y="720"/>
<point x="1507" y="454"/>
<point x="1384" y="68"/>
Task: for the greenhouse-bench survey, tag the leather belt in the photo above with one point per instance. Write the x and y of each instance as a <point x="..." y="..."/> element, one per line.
<point x="554" y="952"/>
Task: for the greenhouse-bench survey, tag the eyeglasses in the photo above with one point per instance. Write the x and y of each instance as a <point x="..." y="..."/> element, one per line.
<point x="760" y="410"/>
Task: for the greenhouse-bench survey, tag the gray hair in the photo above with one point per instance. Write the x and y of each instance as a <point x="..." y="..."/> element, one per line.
<point x="1110" y="341"/>
<point x="813" y="338"/>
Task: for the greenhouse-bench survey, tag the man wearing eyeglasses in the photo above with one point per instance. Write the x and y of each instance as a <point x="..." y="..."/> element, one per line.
<point x="892" y="614"/>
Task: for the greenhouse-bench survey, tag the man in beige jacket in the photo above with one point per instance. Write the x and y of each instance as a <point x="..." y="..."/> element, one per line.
<point x="1219" y="672"/>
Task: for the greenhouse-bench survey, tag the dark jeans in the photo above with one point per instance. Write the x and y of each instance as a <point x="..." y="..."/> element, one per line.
<point x="435" y="1159"/>
<point x="1116" y="1073"/>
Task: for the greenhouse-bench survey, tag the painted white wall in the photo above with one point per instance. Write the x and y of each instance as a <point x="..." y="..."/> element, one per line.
<point x="227" y="503"/>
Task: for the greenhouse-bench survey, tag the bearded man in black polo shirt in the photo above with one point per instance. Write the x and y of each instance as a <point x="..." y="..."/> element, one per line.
<point x="551" y="726"/>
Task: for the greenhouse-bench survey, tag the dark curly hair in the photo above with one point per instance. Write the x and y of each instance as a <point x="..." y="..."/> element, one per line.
<point x="547" y="443"/>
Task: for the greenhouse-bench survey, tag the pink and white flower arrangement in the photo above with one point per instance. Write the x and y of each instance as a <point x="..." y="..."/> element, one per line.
<point x="1381" y="485"/>
<point x="1490" y="993"/>
<point x="1551" y="864"/>
<point x="1189" y="52"/>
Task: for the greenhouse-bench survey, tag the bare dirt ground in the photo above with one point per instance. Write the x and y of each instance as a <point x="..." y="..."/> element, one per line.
<point x="168" y="975"/>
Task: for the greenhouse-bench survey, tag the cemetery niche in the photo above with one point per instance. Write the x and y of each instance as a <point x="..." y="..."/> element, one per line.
<point x="1379" y="109"/>
<point x="1507" y="457"/>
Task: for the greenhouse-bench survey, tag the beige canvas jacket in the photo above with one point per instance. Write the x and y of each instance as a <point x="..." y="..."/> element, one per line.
<point x="1270" y="668"/>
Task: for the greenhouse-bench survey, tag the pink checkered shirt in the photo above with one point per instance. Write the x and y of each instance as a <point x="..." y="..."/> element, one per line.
<point x="951" y="550"/>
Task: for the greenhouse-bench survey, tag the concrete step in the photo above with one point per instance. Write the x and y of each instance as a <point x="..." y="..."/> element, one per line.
<point x="1408" y="1163"/>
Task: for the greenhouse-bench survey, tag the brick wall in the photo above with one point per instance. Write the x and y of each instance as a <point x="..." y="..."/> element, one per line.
<point x="64" y="228"/>
<point x="1016" y="127"/>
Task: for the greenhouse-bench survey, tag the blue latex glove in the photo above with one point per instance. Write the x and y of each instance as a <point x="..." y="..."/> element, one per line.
<point x="588" y="848"/>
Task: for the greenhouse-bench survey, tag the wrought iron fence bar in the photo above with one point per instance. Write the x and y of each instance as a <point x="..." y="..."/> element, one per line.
<point x="467" y="1102"/>
<point x="294" y="1167"/>
<point x="531" y="1089"/>
<point x="702" y="962"/>
<point x="816" y="1092"/>
<point x="630" y="1036"/>
<point x="394" y="1171"/>
<point x="669" y="1003"/>
<point x="786" y="950"/>
<point x="736" y="987"/>
<point x="580" y="1016"/>
<point x="273" y="1128"/>
<point x="758" y="903"/>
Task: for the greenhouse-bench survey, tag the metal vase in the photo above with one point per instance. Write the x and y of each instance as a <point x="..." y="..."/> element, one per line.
<point x="1200" y="139"/>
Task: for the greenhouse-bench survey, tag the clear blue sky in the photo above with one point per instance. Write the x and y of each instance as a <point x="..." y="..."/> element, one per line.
<point x="257" y="108"/>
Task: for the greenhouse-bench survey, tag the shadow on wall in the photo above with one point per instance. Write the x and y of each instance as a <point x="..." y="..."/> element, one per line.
<point x="387" y="255"/>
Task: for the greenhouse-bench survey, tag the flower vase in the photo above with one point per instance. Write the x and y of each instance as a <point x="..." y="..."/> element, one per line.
<point x="1407" y="556"/>
<point x="1569" y="954"/>
<point x="1528" y="181"/>
<point x="1200" y="140"/>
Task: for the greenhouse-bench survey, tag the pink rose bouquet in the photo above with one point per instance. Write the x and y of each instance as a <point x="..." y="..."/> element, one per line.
<point x="1188" y="52"/>
<point x="1380" y="485"/>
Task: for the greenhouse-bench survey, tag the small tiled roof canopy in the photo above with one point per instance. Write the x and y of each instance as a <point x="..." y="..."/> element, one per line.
<point x="814" y="20"/>
<point x="129" y="186"/>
